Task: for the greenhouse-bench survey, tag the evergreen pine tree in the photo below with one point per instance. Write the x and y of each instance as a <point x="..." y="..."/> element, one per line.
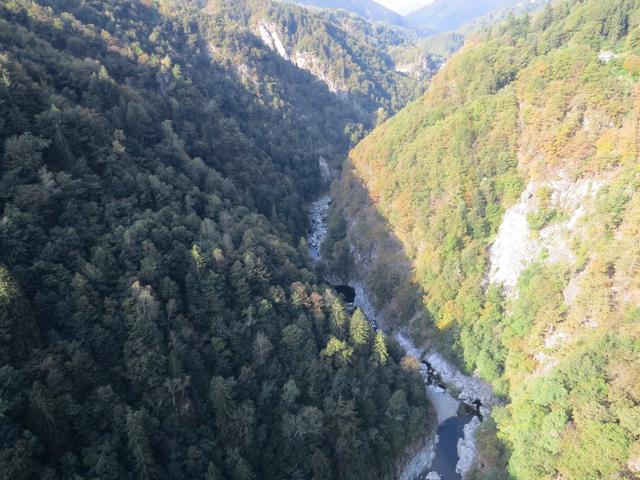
<point x="359" y="329"/>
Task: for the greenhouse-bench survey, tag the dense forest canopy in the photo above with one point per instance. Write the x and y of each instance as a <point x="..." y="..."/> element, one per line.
<point x="159" y="314"/>
<point x="532" y="127"/>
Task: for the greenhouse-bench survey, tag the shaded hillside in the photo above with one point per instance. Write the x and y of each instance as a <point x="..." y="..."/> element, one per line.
<point x="159" y="317"/>
<point x="511" y="190"/>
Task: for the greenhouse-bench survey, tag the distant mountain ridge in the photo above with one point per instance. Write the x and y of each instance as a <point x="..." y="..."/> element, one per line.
<point x="437" y="17"/>
<point x="368" y="9"/>
<point x="450" y="15"/>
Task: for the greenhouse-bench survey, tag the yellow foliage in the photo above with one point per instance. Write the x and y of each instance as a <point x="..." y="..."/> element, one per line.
<point x="450" y="313"/>
<point x="632" y="64"/>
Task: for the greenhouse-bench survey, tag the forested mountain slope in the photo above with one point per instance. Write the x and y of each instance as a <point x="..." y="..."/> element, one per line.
<point x="349" y="54"/>
<point x="497" y="218"/>
<point x="159" y="317"/>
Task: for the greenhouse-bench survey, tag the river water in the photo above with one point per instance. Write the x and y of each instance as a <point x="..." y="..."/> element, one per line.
<point x="450" y="452"/>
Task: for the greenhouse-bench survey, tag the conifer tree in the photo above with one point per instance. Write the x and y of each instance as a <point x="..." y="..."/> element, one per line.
<point x="380" y="353"/>
<point x="359" y="328"/>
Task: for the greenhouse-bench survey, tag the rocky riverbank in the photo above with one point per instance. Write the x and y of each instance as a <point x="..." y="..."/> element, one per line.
<point x="460" y="401"/>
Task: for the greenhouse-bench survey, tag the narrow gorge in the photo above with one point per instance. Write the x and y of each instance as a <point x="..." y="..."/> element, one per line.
<point x="460" y="402"/>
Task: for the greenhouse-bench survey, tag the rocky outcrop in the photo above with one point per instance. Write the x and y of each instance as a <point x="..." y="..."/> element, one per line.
<point x="309" y="62"/>
<point x="469" y="388"/>
<point x="318" y="216"/>
<point x="419" y="462"/>
<point x="516" y="246"/>
<point x="271" y="38"/>
<point x="467" y="448"/>
<point x="326" y="171"/>
<point x="421" y="69"/>
<point x="276" y="41"/>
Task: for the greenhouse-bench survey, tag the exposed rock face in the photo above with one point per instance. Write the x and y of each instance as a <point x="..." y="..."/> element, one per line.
<point x="421" y="460"/>
<point x="272" y="38"/>
<point x="307" y="61"/>
<point x="553" y="341"/>
<point x="420" y="69"/>
<point x="606" y="56"/>
<point x="470" y="387"/>
<point x="318" y="215"/>
<point x="515" y="246"/>
<point x="467" y="448"/>
<point x="325" y="170"/>
<point x="364" y="303"/>
<point x="269" y="35"/>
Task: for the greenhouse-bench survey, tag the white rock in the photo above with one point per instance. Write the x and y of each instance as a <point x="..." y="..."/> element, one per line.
<point x="318" y="213"/>
<point x="364" y="303"/>
<point x="406" y="343"/>
<point x="634" y="464"/>
<point x="433" y="476"/>
<point x="312" y="64"/>
<point x="545" y="362"/>
<point x="270" y="37"/>
<point x="470" y="387"/>
<point x="555" y="339"/>
<point x="325" y="170"/>
<point x="606" y="56"/>
<point x="513" y="245"/>
<point x="573" y="288"/>
<point x="467" y="447"/>
<point x="514" y="248"/>
<point x="420" y="462"/>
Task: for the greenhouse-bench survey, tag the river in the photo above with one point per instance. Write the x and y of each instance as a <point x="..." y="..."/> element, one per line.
<point x="460" y="401"/>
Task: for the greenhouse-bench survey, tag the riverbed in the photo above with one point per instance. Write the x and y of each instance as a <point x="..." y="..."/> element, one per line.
<point x="460" y="401"/>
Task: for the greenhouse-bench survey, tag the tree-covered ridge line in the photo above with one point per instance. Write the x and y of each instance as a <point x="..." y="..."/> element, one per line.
<point x="535" y="100"/>
<point x="158" y="316"/>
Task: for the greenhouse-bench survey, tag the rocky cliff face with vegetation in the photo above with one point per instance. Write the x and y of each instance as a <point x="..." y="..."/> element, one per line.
<point x="357" y="60"/>
<point x="498" y="216"/>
